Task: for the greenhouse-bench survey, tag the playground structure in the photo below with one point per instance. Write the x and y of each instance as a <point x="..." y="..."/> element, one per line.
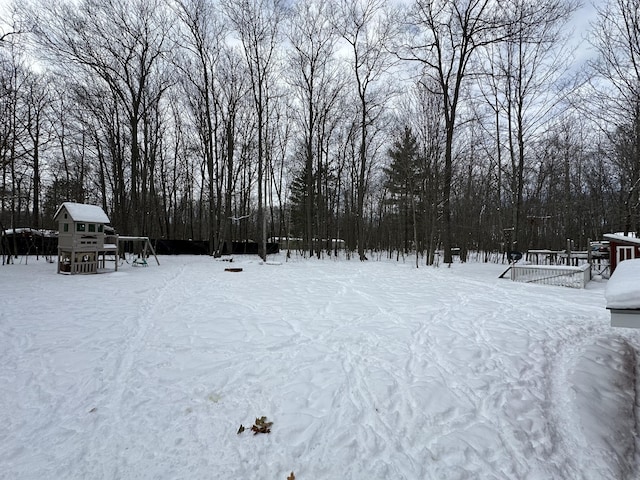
<point x="85" y="242"/>
<point x="81" y="238"/>
<point x="27" y="242"/>
<point x="142" y="253"/>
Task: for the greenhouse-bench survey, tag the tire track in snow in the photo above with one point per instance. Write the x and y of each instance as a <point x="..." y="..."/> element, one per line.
<point x="583" y="450"/>
<point x="567" y="448"/>
<point x="110" y="436"/>
<point x="563" y="451"/>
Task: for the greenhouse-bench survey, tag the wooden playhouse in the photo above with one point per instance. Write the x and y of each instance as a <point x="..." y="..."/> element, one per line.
<point x="81" y="238"/>
<point x="621" y="247"/>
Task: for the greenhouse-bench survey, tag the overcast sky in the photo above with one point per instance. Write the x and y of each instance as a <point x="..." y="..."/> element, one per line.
<point x="580" y="23"/>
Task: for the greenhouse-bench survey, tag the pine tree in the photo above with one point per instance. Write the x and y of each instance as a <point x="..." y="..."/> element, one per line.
<point x="299" y="200"/>
<point x="402" y="183"/>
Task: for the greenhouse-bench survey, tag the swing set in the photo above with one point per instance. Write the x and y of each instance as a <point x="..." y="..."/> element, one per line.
<point x="137" y="256"/>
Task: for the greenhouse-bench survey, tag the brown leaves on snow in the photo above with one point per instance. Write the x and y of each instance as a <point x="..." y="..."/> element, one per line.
<point x="260" y="426"/>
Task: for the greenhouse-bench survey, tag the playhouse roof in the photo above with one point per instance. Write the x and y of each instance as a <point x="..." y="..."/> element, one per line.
<point x="619" y="237"/>
<point x="80" y="212"/>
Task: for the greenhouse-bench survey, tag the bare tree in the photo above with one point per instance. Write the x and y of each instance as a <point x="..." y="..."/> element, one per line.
<point x="16" y="80"/>
<point x="368" y="32"/>
<point x="445" y="36"/>
<point x="36" y="109"/>
<point x="121" y="43"/>
<point x="231" y="106"/>
<point x="258" y="22"/>
<point x="614" y="96"/>
<point x="204" y="42"/>
<point x="527" y="71"/>
<point x="316" y="87"/>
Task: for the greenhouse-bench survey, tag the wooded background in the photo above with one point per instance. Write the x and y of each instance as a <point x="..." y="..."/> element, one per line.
<point x="399" y="127"/>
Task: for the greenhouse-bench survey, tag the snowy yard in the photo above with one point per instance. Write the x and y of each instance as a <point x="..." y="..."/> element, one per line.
<point x="371" y="370"/>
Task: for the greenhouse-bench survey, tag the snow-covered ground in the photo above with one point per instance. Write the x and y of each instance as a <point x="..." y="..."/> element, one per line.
<point x="373" y="370"/>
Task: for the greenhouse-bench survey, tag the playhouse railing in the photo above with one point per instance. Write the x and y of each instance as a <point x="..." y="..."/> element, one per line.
<point x="85" y="267"/>
<point x="559" y="275"/>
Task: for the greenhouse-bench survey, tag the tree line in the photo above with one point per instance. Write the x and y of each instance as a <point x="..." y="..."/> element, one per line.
<point x="407" y="128"/>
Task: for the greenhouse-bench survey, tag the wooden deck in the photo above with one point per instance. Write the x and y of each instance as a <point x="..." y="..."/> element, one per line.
<point x="558" y="275"/>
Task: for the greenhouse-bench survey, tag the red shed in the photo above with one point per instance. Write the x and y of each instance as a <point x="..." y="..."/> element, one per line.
<point x="621" y="247"/>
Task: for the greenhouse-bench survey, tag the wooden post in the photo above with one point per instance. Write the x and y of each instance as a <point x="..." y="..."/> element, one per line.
<point x="153" y="250"/>
<point x="589" y="258"/>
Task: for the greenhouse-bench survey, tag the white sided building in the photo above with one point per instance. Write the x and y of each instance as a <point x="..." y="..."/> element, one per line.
<point x="81" y="238"/>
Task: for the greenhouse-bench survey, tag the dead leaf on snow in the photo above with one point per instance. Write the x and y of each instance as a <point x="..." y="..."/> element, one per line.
<point x="261" y="426"/>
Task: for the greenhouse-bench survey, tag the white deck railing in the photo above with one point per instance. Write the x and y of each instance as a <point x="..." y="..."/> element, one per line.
<point x="559" y="275"/>
<point x="85" y="267"/>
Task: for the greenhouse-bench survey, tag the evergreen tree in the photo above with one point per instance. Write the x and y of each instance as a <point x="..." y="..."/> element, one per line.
<point x="402" y="183"/>
<point x="299" y="201"/>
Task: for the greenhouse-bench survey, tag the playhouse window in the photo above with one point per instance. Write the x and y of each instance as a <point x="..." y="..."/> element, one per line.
<point x="100" y="227"/>
<point x="81" y="227"/>
<point x="66" y="227"/>
<point x="92" y="227"/>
